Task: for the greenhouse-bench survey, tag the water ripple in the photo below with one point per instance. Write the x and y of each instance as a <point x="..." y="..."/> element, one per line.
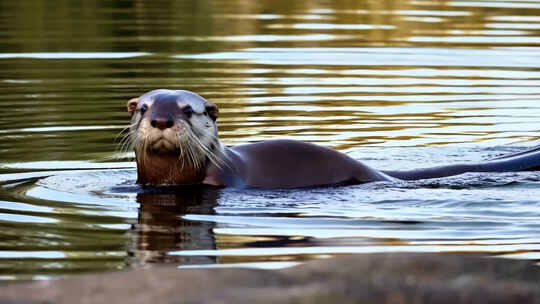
<point x="397" y="84"/>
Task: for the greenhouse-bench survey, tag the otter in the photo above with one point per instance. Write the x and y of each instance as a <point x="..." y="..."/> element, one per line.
<point x="175" y="138"/>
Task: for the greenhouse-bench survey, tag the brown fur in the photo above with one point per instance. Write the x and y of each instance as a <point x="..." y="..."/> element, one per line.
<point x="167" y="169"/>
<point x="174" y="134"/>
<point x="174" y="137"/>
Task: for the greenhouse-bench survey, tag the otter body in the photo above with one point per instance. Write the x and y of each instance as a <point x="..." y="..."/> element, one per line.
<point x="174" y="136"/>
<point x="288" y="164"/>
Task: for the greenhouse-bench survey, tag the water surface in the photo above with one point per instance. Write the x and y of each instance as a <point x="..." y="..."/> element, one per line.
<point x="398" y="85"/>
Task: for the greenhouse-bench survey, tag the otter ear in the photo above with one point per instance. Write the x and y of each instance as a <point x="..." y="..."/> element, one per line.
<point x="132" y="105"/>
<point x="212" y="111"/>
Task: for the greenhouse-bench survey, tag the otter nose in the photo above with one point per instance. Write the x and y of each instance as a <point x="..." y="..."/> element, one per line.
<point x="162" y="124"/>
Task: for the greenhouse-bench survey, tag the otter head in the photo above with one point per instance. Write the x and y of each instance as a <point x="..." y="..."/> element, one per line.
<point x="174" y="135"/>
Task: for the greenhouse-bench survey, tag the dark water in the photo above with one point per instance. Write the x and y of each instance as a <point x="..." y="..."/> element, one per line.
<point x="398" y="84"/>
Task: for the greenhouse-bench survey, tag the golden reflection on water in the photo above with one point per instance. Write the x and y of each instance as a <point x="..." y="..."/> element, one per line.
<point x="407" y="73"/>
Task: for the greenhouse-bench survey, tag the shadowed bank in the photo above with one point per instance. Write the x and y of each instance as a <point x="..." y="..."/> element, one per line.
<point x="380" y="278"/>
<point x="397" y="84"/>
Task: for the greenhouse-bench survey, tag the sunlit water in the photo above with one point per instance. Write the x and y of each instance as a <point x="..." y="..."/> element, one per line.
<point x="398" y="85"/>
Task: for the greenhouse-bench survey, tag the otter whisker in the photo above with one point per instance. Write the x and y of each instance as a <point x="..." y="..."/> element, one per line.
<point x="187" y="154"/>
<point x="145" y="148"/>
<point x="199" y="145"/>
<point x="126" y="143"/>
<point x="128" y="129"/>
<point x="181" y="156"/>
<point x="193" y="157"/>
<point x="208" y="153"/>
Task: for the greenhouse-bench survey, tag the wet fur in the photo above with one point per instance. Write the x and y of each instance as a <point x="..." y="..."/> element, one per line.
<point x="192" y="145"/>
<point x="193" y="153"/>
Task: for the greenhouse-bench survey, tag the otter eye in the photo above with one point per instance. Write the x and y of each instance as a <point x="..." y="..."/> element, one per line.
<point x="188" y="111"/>
<point x="144" y="108"/>
<point x="205" y="113"/>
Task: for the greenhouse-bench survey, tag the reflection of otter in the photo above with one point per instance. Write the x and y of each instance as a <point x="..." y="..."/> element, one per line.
<point x="174" y="135"/>
<point x="161" y="228"/>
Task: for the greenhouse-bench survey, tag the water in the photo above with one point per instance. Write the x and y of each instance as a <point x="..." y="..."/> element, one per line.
<point x="396" y="84"/>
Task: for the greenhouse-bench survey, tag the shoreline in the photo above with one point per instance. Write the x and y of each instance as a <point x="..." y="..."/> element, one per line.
<point x="369" y="278"/>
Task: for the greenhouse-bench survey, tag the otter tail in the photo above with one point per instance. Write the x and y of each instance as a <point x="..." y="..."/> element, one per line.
<point x="523" y="161"/>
